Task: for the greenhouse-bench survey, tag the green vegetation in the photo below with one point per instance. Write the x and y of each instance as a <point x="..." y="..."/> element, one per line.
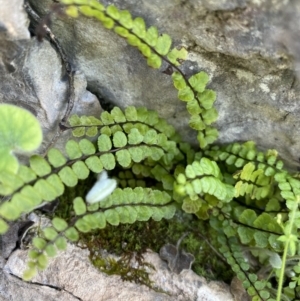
<point x="242" y="202"/>
<point x="20" y="132"/>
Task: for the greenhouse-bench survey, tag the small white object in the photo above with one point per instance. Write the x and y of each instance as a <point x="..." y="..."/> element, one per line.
<point x="101" y="189"/>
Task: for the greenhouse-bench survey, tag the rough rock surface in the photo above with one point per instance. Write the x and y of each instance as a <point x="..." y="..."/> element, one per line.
<point x="245" y="46"/>
<point x="73" y="274"/>
<point x="70" y="276"/>
<point x="32" y="75"/>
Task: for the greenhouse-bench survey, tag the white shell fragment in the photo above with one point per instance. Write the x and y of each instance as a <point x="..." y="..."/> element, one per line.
<point x="101" y="189"/>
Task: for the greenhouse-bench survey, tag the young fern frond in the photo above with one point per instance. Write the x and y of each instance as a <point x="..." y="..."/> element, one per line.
<point x="199" y="104"/>
<point x="237" y="155"/>
<point x="201" y="188"/>
<point x="122" y="206"/>
<point x="253" y="182"/>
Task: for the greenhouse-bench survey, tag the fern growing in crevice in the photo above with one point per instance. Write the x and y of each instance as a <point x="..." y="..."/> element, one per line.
<point x="122" y="206"/>
<point x="156" y="49"/>
<point x="124" y="145"/>
<point x="249" y="199"/>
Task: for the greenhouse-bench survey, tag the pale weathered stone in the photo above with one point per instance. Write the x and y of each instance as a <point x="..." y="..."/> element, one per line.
<point x="14" y="289"/>
<point x="13" y="20"/>
<point x="73" y="272"/>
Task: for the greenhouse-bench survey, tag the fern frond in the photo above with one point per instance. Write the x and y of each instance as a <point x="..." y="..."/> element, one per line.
<point x="202" y="185"/>
<point x="258" y="230"/>
<point x="128" y="178"/>
<point x="154" y="47"/>
<point x="133" y="118"/>
<point x="253" y="182"/>
<point x="199" y="104"/>
<point x="237" y="155"/>
<point x="137" y="136"/>
<point x="258" y="289"/>
<point x="122" y="206"/>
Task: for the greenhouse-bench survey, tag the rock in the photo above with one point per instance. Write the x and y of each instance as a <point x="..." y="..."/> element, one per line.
<point x="10" y="239"/>
<point x="72" y="273"/>
<point x="237" y="42"/>
<point x="12" y="288"/>
<point x="288" y="35"/>
<point x="215" y="5"/>
<point x="71" y="276"/>
<point x="32" y="75"/>
<point x="13" y="21"/>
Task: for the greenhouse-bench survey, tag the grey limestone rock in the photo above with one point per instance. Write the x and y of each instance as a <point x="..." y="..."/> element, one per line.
<point x="72" y="273"/>
<point x="250" y="48"/>
<point x="32" y="75"/>
<point x="14" y="289"/>
<point x="215" y="5"/>
<point x="239" y="43"/>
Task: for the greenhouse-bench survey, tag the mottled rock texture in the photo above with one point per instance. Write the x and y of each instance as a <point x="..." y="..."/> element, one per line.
<point x="32" y="75"/>
<point x="250" y="49"/>
<point x="246" y="47"/>
<point x="74" y="274"/>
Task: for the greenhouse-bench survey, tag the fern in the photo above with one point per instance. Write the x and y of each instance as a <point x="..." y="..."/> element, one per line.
<point x="45" y="178"/>
<point x="257" y="288"/>
<point x="122" y="206"/>
<point x="156" y="48"/>
<point x="199" y="104"/>
<point x="249" y="199"/>
<point x="201" y="188"/>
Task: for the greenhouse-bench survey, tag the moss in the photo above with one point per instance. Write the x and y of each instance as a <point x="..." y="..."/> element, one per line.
<point x="122" y="267"/>
<point x="131" y="241"/>
<point x="65" y="206"/>
<point x="125" y="238"/>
